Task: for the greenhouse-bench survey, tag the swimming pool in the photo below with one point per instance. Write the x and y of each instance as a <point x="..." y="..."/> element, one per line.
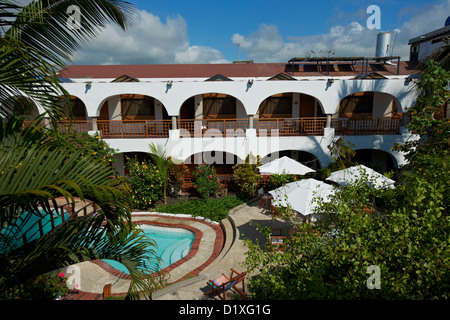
<point x="173" y="244"/>
<point x="27" y="225"/>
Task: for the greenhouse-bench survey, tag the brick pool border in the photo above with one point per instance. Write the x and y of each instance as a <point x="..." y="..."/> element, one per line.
<point x="218" y="245"/>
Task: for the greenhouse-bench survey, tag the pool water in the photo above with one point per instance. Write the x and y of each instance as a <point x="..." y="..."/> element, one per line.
<point x="172" y="244"/>
<point x="26" y="224"/>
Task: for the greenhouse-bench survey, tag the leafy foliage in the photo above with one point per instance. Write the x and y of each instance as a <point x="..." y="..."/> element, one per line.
<point x="89" y="145"/>
<point x="277" y="180"/>
<point x="246" y="176"/>
<point x="37" y="167"/>
<point x="146" y="183"/>
<point x="402" y="231"/>
<point x="213" y="209"/>
<point x="164" y="164"/>
<point x="205" y="181"/>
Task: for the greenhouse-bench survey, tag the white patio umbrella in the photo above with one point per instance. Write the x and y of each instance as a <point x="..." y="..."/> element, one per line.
<point x="284" y="165"/>
<point x="353" y="174"/>
<point x="302" y="195"/>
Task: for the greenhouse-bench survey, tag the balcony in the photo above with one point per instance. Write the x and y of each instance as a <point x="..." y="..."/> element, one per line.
<point x="290" y="126"/>
<point x="212" y="127"/>
<point x="122" y="129"/>
<point x="366" y="126"/>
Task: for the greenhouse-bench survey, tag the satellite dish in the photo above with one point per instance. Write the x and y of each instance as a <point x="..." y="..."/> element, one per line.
<point x="447" y="22"/>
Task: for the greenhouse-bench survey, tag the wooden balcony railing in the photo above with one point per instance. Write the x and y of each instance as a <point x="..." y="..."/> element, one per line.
<point x="366" y="126"/>
<point x="212" y="127"/>
<point x="77" y="126"/>
<point x="134" y="128"/>
<point x="290" y="126"/>
<point x="191" y="128"/>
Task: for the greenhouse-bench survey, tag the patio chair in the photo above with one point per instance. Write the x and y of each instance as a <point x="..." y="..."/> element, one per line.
<point x="265" y="201"/>
<point x="277" y="240"/>
<point x="222" y="284"/>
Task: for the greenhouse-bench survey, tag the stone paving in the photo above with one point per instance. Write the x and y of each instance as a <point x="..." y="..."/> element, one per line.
<point x="216" y="249"/>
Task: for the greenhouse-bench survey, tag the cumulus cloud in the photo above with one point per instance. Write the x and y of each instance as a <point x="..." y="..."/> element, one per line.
<point x="353" y="39"/>
<point x="154" y="41"/>
<point x="148" y="41"/>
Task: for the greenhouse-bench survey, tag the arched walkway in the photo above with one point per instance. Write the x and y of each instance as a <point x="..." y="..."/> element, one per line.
<point x="379" y="160"/>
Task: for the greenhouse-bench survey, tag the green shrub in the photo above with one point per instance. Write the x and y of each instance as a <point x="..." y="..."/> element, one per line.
<point x="145" y="183"/>
<point x="278" y="180"/>
<point x="214" y="209"/>
<point x="246" y="176"/>
<point x="44" y="287"/>
<point x="205" y="181"/>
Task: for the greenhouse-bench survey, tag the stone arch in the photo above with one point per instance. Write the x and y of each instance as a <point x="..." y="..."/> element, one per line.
<point x="297" y="104"/>
<point x="380" y="160"/>
<point x="307" y="158"/>
<point x="29" y="108"/>
<point x="78" y="108"/>
<point x="221" y="160"/>
<point x="132" y="106"/>
<point x="212" y="105"/>
<point x="369" y="104"/>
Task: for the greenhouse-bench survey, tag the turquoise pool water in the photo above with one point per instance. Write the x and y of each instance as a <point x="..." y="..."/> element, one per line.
<point x="173" y="244"/>
<point x="26" y="224"/>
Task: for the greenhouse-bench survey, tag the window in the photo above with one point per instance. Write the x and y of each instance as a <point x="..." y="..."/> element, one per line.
<point x="357" y="104"/>
<point x="137" y="106"/>
<point x="276" y="105"/>
<point x="219" y="106"/>
<point x="78" y="108"/>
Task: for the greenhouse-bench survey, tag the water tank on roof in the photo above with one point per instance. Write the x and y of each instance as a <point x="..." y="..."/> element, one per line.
<point x="383" y="43"/>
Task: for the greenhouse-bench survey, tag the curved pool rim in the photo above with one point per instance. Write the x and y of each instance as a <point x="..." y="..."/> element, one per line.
<point x="194" y="246"/>
<point x="192" y="269"/>
<point x="192" y="252"/>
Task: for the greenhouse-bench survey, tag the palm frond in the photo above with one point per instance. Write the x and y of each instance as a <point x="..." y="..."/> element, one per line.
<point x="43" y="25"/>
<point x="26" y="75"/>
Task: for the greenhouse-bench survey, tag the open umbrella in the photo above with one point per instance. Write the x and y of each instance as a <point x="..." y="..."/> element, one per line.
<point x="284" y="165"/>
<point x="302" y="195"/>
<point x="353" y="174"/>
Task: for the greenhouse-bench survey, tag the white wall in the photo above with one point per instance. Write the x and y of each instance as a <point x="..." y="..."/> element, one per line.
<point x="329" y="95"/>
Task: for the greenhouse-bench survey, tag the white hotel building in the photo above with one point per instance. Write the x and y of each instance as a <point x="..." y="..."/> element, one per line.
<point x="223" y="112"/>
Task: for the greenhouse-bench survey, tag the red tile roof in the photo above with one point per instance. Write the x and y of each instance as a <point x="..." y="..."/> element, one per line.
<point x="227" y="70"/>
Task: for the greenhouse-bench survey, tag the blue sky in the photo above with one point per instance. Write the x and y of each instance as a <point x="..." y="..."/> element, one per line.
<point x="266" y="30"/>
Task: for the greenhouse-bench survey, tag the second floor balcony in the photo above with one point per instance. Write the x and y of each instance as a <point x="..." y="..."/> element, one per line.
<point x="191" y="128"/>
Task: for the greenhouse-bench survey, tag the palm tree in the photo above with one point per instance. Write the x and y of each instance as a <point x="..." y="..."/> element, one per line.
<point x="163" y="163"/>
<point x="36" y="169"/>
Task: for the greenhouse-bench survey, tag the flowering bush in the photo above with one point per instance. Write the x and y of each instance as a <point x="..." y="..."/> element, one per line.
<point x="145" y="183"/>
<point x="44" y="287"/>
<point x="205" y="181"/>
<point x="277" y="180"/>
<point x="89" y="145"/>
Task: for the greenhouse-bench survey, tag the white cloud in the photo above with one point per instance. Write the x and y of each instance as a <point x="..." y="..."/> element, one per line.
<point x="353" y="39"/>
<point x="153" y="41"/>
<point x="148" y="41"/>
